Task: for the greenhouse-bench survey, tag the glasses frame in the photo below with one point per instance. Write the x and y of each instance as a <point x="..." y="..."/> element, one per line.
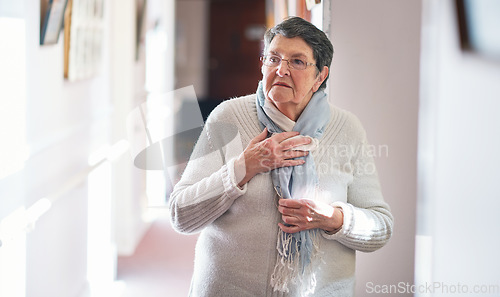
<point x="262" y="59"/>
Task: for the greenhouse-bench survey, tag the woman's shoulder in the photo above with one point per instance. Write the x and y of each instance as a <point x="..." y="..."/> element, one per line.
<point x="349" y="117"/>
<point x="235" y="114"/>
<point x="232" y="107"/>
<point x="346" y="124"/>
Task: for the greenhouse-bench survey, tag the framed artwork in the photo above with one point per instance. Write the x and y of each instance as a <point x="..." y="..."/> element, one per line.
<point x="479" y="22"/>
<point x="141" y="6"/>
<point x="84" y="37"/>
<point x="278" y="10"/>
<point x="51" y="20"/>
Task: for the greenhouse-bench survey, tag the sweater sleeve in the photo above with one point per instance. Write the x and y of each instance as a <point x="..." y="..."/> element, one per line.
<point x="368" y="221"/>
<point x="208" y="185"/>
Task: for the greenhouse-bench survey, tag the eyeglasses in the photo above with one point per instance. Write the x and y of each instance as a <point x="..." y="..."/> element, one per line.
<point x="295" y="63"/>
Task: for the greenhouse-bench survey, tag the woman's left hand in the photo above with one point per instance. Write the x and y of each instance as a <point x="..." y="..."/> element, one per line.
<point x="304" y="214"/>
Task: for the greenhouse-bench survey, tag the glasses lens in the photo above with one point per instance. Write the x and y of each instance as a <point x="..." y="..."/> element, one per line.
<point x="271" y="60"/>
<point x="297" y="64"/>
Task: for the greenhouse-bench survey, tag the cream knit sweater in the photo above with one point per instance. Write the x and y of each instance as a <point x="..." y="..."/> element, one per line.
<point x="236" y="249"/>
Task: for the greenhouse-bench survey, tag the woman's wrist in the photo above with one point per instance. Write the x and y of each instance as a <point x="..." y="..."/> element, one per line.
<point x="336" y="222"/>
<point x="240" y="171"/>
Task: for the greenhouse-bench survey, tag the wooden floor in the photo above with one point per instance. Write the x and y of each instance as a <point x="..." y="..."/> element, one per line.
<point x="161" y="266"/>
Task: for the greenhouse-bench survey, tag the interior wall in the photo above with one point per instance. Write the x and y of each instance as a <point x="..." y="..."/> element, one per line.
<point x="191" y="61"/>
<point x="459" y="199"/>
<point x="48" y="224"/>
<point x="64" y="123"/>
<point x="127" y="91"/>
<point x="375" y="75"/>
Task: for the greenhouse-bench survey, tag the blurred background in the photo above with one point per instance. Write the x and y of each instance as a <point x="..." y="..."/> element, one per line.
<point x="86" y="87"/>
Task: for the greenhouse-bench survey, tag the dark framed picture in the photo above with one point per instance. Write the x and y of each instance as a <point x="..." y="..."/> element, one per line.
<point x="141" y="6"/>
<point x="51" y="20"/>
<point x="479" y="25"/>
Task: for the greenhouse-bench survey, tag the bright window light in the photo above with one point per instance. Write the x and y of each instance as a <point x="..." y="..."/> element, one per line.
<point x="13" y="149"/>
<point x="13" y="152"/>
<point x="13" y="254"/>
<point x="101" y="252"/>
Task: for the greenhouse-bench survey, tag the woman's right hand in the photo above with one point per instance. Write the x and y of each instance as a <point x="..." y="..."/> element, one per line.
<point x="264" y="154"/>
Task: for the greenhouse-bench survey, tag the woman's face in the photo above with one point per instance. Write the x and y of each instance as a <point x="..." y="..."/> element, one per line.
<point x="291" y="89"/>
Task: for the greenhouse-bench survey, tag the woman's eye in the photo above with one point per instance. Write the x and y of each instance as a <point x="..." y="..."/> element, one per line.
<point x="274" y="59"/>
<point x="298" y="62"/>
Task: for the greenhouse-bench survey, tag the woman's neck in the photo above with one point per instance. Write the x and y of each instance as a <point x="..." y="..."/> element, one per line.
<point x="290" y="110"/>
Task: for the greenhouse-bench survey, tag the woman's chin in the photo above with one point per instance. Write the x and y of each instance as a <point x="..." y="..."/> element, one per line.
<point x="279" y="97"/>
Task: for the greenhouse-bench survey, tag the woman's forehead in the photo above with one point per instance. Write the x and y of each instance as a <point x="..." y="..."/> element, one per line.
<point x="290" y="47"/>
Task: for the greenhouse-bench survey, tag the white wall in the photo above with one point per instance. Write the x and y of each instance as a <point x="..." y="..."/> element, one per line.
<point x="127" y="91"/>
<point x="459" y="200"/>
<point x="375" y="75"/>
<point x="62" y="124"/>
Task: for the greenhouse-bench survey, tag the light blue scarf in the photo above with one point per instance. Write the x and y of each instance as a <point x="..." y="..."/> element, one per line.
<point x="295" y="251"/>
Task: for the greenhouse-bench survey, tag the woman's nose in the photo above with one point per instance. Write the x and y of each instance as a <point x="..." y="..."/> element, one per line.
<point x="283" y="68"/>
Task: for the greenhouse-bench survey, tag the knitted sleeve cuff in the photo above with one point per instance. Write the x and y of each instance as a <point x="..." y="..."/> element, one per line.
<point x="347" y="224"/>
<point x="229" y="181"/>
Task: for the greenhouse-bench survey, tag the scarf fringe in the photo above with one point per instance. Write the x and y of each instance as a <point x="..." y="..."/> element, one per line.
<point x="289" y="270"/>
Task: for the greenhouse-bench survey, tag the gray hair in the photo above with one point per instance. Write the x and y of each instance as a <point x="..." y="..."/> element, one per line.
<point x="318" y="41"/>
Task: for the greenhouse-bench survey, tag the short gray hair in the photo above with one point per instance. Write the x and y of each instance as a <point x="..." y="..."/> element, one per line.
<point x="318" y="41"/>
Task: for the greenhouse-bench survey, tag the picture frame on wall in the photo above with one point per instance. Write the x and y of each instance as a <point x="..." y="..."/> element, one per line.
<point x="278" y="10"/>
<point x="84" y="38"/>
<point x="51" y="20"/>
<point x="478" y="25"/>
<point x="141" y="6"/>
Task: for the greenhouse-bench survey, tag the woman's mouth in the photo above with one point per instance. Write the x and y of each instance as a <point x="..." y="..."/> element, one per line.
<point x="281" y="84"/>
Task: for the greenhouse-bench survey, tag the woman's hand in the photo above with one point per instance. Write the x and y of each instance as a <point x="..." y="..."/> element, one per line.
<point x="304" y="214"/>
<point x="264" y="154"/>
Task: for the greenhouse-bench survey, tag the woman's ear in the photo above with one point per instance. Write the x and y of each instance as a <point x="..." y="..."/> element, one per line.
<point x="320" y="78"/>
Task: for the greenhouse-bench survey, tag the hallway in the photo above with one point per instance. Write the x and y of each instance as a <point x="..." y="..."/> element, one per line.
<point x="161" y="265"/>
<point x="75" y="207"/>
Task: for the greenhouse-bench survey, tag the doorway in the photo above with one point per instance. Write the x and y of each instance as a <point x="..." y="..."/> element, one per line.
<point x="236" y="31"/>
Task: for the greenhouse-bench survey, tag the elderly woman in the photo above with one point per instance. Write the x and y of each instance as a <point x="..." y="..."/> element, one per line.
<point x="285" y="215"/>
